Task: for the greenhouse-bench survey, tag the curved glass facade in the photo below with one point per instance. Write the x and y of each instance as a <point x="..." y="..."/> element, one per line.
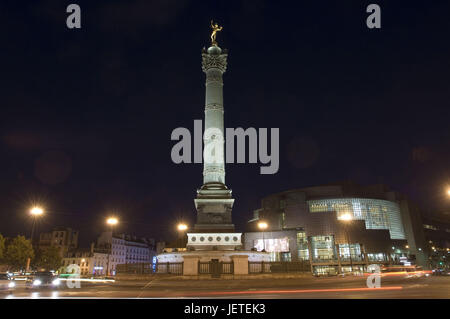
<point x="377" y="213"/>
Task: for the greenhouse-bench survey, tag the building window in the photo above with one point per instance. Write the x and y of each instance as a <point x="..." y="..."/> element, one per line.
<point x="429" y="227"/>
<point x="323" y="248"/>
<point x="302" y="246"/>
<point x="354" y="249"/>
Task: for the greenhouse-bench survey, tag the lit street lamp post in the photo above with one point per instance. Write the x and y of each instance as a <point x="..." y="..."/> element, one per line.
<point x="111" y="221"/>
<point x="35" y="212"/>
<point x="182" y="230"/>
<point x="263" y="226"/>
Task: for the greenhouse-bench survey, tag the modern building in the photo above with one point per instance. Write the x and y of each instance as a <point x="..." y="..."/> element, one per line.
<point x="126" y="249"/>
<point x="339" y="227"/>
<point x="63" y="238"/>
<point x="90" y="261"/>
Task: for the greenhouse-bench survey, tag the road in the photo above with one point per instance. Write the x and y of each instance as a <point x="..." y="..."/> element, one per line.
<point x="434" y="287"/>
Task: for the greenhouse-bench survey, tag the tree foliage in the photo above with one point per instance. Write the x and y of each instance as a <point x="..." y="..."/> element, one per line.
<point x="48" y="258"/>
<point x="18" y="250"/>
<point x="2" y="247"/>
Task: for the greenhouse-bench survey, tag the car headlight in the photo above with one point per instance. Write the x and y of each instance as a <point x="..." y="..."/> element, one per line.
<point x="12" y="284"/>
<point x="56" y="282"/>
<point x="37" y="282"/>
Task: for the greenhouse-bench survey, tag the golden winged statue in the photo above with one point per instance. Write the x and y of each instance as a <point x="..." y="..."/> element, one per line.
<point x="215" y="28"/>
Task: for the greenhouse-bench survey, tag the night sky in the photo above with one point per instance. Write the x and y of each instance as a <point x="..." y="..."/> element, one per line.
<point x="86" y="115"/>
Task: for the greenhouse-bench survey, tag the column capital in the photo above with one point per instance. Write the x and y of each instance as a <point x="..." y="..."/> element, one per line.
<point x="213" y="59"/>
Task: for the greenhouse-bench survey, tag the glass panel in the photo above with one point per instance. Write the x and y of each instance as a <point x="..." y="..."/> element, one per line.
<point x="322" y="248"/>
<point x="377" y="213"/>
<point x="325" y="270"/>
<point x="344" y="252"/>
<point x="302" y="246"/>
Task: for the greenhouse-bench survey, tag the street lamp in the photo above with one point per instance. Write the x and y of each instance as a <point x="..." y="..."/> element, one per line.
<point x="182" y="230"/>
<point x="111" y="221"/>
<point x="35" y="212"/>
<point x="263" y="226"/>
<point x="347" y="218"/>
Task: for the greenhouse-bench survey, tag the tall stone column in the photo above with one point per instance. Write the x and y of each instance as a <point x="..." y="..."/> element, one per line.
<point x="214" y="202"/>
<point x="214" y="64"/>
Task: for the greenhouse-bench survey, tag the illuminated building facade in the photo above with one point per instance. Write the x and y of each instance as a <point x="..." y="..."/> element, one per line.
<point x="339" y="227"/>
<point x="89" y="261"/>
<point x="125" y="249"/>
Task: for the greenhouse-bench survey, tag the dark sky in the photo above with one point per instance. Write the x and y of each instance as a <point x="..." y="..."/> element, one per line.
<point x="86" y="115"/>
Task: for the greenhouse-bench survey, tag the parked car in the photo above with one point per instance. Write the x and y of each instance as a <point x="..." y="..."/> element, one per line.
<point x="41" y="280"/>
<point x="6" y="282"/>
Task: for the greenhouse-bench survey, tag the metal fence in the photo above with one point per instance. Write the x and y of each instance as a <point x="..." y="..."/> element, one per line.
<point x="138" y="268"/>
<point x="227" y="267"/>
<point x="147" y="268"/>
<point x="210" y="268"/>
<point x="169" y="268"/>
<point x="204" y="268"/>
<point x="278" y="267"/>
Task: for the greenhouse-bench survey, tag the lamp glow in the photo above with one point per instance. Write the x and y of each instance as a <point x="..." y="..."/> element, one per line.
<point x="112" y="221"/>
<point x="346" y="217"/>
<point x="262" y="225"/>
<point x="182" y="227"/>
<point x="36" y="211"/>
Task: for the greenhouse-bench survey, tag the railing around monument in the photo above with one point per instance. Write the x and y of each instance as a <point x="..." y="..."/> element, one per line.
<point x="278" y="267"/>
<point x="227" y="267"/>
<point x="206" y="268"/>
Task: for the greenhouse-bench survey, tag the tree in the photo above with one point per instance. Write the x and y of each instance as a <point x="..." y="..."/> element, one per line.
<point x="18" y="251"/>
<point x="48" y="258"/>
<point x="2" y="247"/>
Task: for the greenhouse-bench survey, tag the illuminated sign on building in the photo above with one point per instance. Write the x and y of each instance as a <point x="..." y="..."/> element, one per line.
<point x="154" y="261"/>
